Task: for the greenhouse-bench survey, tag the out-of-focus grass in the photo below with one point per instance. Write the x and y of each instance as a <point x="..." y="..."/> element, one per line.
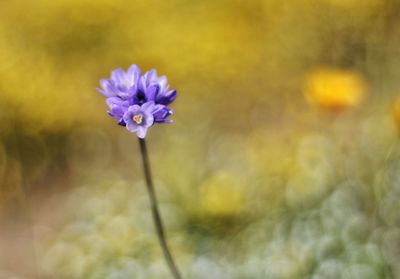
<point x="282" y="161"/>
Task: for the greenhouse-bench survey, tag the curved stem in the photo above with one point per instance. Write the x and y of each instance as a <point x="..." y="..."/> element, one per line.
<point x="155" y="211"/>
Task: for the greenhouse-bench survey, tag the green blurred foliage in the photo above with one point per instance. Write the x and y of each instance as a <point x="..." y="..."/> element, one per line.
<point x="260" y="176"/>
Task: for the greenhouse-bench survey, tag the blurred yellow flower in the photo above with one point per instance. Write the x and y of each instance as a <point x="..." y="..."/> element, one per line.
<point x="334" y="89"/>
<point x="222" y="195"/>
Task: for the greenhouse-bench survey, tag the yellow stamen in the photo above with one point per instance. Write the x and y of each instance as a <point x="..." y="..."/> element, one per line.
<point x="138" y="118"/>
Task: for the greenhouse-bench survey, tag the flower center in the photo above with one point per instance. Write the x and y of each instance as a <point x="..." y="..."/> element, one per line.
<point x="138" y="118"/>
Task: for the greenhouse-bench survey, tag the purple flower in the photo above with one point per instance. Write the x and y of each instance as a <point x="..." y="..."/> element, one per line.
<point x="117" y="108"/>
<point x="155" y="88"/>
<point x="160" y="114"/>
<point x="139" y="118"/>
<point x="137" y="101"/>
<point x="121" y="84"/>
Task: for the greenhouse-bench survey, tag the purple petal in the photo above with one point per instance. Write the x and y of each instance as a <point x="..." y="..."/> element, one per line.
<point x="121" y="122"/>
<point x="152" y="92"/>
<point x="134" y="71"/>
<point x="117" y="111"/>
<point x="162" y="81"/>
<point x="141" y="132"/>
<point x="151" y="75"/>
<point x="158" y="108"/>
<point x="167" y="98"/>
<point x="102" y="92"/>
<point x="116" y="101"/>
<point x="148" y="120"/>
<point x="124" y="95"/>
<point x="164" y="121"/>
<point x="118" y="75"/>
<point x="149" y="106"/>
<point x="134" y="109"/>
<point x="161" y="113"/>
<point x="132" y="126"/>
<point x="109" y="89"/>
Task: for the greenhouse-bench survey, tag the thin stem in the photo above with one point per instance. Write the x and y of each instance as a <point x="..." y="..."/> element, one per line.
<point x="155" y="211"/>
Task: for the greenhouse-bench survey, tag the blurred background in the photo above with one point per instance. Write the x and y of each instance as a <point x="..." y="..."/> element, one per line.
<point x="283" y="160"/>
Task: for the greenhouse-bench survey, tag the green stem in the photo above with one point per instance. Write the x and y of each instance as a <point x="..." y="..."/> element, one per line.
<point x="155" y="211"/>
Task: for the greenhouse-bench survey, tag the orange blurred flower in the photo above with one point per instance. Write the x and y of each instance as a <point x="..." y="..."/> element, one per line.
<point x="334" y="89"/>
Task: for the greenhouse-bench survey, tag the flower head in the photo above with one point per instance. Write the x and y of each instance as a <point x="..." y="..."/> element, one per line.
<point x="137" y="101"/>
